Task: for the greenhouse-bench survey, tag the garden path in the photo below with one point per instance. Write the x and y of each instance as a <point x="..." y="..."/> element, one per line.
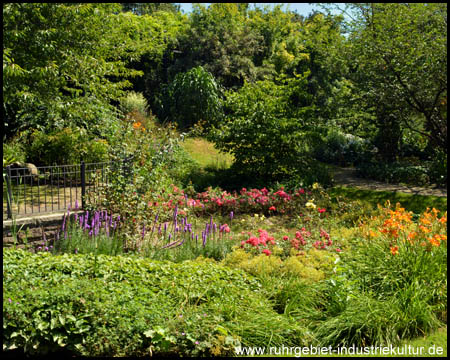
<point x="347" y="177"/>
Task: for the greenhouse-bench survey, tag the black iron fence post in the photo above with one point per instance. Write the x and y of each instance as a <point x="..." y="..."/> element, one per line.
<point x="8" y="186"/>
<point x="83" y="184"/>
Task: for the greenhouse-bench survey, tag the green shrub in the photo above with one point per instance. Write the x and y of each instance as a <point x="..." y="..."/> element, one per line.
<point x="191" y="97"/>
<point x="134" y="102"/>
<point x="438" y="169"/>
<point x="342" y="149"/>
<point x="267" y="136"/>
<point x="398" y="172"/>
<point x="13" y="151"/>
<point x="65" y="147"/>
<point x="123" y="306"/>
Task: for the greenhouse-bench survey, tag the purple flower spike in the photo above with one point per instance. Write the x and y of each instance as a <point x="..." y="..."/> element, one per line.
<point x="76" y="251"/>
<point x="143" y="231"/>
<point x="64" y="222"/>
<point x="231" y="215"/>
<point x="76" y="204"/>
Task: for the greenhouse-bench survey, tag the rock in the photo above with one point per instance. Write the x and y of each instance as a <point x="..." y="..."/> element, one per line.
<point x="23" y="173"/>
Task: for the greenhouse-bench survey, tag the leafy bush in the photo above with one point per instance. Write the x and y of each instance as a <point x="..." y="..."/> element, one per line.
<point x="13" y="151"/>
<point x="134" y="102"/>
<point x="266" y="134"/>
<point x="397" y="172"/>
<point x="193" y="96"/>
<point x="438" y="169"/>
<point x="65" y="147"/>
<point x="342" y="149"/>
<point x="122" y="306"/>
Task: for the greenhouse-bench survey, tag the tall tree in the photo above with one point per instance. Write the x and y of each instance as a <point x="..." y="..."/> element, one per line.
<point x="65" y="64"/>
<point x="219" y="39"/>
<point x="399" y="56"/>
<point x="150" y="8"/>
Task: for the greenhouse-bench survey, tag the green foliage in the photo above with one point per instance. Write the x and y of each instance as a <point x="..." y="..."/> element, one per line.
<point x="266" y="134"/>
<point x="396" y="172"/>
<point x="133" y="307"/>
<point x="134" y="102"/>
<point x="13" y="151"/>
<point x="221" y="40"/>
<point x="312" y="266"/>
<point x="399" y="53"/>
<point x="192" y="97"/>
<point x="149" y="8"/>
<point x="438" y="169"/>
<point x="368" y="199"/>
<point x="65" y="147"/>
<point x="342" y="149"/>
<point x="71" y="63"/>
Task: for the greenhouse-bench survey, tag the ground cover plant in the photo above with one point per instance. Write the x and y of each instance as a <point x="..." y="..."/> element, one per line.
<point x="312" y="273"/>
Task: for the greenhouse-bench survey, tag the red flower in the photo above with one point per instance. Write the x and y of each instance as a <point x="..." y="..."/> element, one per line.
<point x="267" y="252"/>
<point x="272" y="208"/>
<point x="322" y="210"/>
<point x="285" y="237"/>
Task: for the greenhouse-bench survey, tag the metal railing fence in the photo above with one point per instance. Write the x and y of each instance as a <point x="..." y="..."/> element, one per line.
<point x="48" y="189"/>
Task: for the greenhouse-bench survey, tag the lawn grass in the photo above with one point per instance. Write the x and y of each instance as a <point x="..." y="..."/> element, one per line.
<point x="206" y="155"/>
<point x="411" y="202"/>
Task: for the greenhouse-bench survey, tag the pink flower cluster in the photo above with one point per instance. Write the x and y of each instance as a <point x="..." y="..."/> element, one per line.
<point x="322" y="244"/>
<point x="244" y="201"/>
<point x="264" y="239"/>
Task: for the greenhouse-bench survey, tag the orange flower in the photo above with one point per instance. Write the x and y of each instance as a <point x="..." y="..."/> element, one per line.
<point x="137" y="125"/>
<point x="424" y="229"/>
<point x="394" y="250"/>
<point x="435" y="240"/>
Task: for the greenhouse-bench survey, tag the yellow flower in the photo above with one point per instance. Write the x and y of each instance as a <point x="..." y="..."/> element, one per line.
<point x="315" y="186"/>
<point x="310" y="204"/>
